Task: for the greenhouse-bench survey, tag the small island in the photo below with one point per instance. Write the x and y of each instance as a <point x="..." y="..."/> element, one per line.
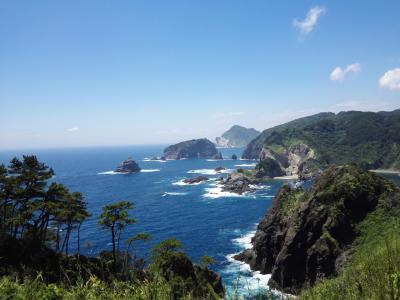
<point x="128" y="166"/>
<point x="196" y="148"/>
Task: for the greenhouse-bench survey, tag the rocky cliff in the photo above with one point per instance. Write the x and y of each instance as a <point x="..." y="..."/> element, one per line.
<point x="308" y="145"/>
<point x="200" y="148"/>
<point x="309" y="235"/>
<point x="236" y="136"/>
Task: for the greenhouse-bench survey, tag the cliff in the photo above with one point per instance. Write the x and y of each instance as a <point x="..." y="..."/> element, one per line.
<point x="307" y="236"/>
<point x="200" y="148"/>
<point x="237" y="136"/>
<point x="308" y="145"/>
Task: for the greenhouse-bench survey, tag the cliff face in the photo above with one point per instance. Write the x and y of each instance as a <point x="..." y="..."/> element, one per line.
<point x="308" y="145"/>
<point x="236" y="136"/>
<point x="308" y="236"/>
<point x="200" y="148"/>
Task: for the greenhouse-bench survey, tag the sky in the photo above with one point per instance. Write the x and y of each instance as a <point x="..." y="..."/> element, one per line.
<point x="86" y="73"/>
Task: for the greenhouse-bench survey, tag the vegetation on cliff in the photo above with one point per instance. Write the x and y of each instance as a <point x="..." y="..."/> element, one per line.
<point x="309" y="236"/>
<point x="370" y="140"/>
<point x="200" y="148"/>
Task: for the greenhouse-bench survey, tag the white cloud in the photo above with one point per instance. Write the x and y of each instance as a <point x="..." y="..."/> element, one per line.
<point x="340" y="73"/>
<point x="391" y="79"/>
<point x="308" y="24"/>
<point x="73" y="129"/>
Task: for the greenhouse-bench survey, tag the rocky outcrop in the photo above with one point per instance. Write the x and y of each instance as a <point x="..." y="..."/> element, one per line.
<point x="239" y="183"/>
<point x="234" y="157"/>
<point x="194" y="180"/>
<point x="219" y="169"/>
<point x="236" y="136"/>
<point x="200" y="148"/>
<point x="269" y="168"/>
<point x="128" y="166"/>
<point x="218" y="156"/>
<point x="307" y="236"/>
<point x="298" y="159"/>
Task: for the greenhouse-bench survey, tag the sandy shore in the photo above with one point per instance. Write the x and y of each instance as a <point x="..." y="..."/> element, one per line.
<point x="385" y="171"/>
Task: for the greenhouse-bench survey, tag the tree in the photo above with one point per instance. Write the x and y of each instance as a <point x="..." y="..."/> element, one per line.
<point x="206" y="261"/>
<point x="115" y="218"/>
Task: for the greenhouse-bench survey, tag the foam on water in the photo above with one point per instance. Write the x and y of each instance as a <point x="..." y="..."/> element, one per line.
<point x="181" y="183"/>
<point x="174" y="194"/>
<point x="210" y="171"/>
<point x="249" y="281"/>
<point x="217" y="192"/>
<point x="246" y="165"/>
<point x="111" y="173"/>
<point x="149" y="170"/>
<point x="154" y="160"/>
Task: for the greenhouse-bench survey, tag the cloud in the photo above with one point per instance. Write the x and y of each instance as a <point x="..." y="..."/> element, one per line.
<point x="73" y="129"/>
<point x="308" y="24"/>
<point x="391" y="79"/>
<point x="340" y="73"/>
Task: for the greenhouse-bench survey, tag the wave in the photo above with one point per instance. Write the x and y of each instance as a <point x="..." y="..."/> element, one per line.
<point x="246" y="165"/>
<point x="250" y="282"/>
<point x="217" y="192"/>
<point x="244" y="241"/>
<point x="210" y="171"/>
<point x="111" y="173"/>
<point x="149" y="170"/>
<point x="174" y="194"/>
<point x="154" y="160"/>
<point x="181" y="183"/>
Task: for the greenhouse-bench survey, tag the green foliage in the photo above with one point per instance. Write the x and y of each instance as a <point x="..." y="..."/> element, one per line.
<point x="370" y="140"/>
<point x="206" y="261"/>
<point x="371" y="275"/>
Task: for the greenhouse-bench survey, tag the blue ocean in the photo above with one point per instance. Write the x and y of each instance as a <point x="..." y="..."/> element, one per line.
<point x="205" y="220"/>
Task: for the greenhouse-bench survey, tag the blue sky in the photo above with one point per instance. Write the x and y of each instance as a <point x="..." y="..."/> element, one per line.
<point x="81" y="73"/>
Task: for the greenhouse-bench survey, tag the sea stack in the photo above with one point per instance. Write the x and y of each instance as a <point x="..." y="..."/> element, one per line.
<point x="128" y="166"/>
<point x="199" y="148"/>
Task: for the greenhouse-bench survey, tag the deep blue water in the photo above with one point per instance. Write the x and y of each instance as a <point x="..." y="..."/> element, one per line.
<point x="217" y="226"/>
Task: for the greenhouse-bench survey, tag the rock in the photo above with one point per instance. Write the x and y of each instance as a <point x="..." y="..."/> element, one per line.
<point x="238" y="183"/>
<point x="307" y="236"/>
<point x="128" y="166"/>
<point x="268" y="168"/>
<point x="234" y="157"/>
<point x="219" y="169"/>
<point x="200" y="148"/>
<point x="157" y="158"/>
<point x="195" y="179"/>
<point x="218" y="156"/>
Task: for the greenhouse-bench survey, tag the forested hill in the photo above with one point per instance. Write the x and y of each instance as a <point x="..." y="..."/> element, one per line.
<point x="371" y="140"/>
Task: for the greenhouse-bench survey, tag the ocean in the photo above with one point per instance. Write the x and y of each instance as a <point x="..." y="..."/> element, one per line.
<point x="205" y="220"/>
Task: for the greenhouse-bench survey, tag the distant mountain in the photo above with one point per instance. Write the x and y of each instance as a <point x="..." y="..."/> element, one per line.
<point x="308" y="145"/>
<point x="237" y="136"/>
<point x="200" y="148"/>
